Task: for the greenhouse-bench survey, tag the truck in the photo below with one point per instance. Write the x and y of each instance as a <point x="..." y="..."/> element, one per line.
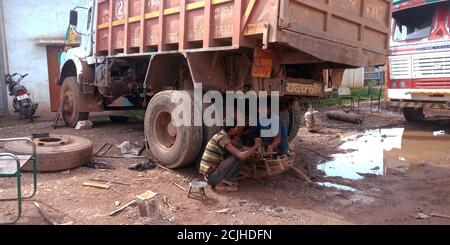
<point x="419" y="62"/>
<point x="146" y="50"/>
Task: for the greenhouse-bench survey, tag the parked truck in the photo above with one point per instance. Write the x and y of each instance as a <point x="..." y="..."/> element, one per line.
<point x="419" y="64"/>
<point x="144" y="50"/>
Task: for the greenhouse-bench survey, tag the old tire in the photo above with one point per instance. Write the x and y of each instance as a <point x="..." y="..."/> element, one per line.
<point x="119" y="119"/>
<point x="291" y="119"/>
<point x="413" y="114"/>
<point x="71" y="107"/>
<point x="172" y="147"/>
<point x="57" y="153"/>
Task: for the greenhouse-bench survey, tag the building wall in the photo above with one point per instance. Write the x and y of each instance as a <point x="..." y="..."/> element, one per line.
<point x="3" y="87"/>
<point x="353" y="78"/>
<point x="25" y="23"/>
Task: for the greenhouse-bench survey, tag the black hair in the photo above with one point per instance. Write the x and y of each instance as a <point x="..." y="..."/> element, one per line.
<point x="227" y="128"/>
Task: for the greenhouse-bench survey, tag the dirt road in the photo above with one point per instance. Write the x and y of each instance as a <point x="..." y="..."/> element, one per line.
<point x="388" y="173"/>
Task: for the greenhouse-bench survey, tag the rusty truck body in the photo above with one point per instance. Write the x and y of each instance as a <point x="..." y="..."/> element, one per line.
<point x="144" y="50"/>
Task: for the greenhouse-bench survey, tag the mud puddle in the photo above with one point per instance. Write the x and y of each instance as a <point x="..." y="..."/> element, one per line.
<point x="389" y="151"/>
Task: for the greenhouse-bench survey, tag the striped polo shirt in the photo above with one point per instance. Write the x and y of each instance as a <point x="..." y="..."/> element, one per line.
<point x="215" y="152"/>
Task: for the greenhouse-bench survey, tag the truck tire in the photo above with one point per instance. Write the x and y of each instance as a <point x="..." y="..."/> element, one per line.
<point x="291" y="119"/>
<point x="172" y="147"/>
<point x="71" y="108"/>
<point x="413" y="114"/>
<point x="56" y="153"/>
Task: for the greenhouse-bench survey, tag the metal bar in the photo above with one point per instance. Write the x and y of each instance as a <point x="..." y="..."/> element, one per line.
<point x="183" y="37"/>
<point x="248" y="12"/>
<point x="125" y="28"/>
<point x="22" y="139"/>
<point x="110" y="37"/>
<point x="142" y="26"/>
<point x="161" y="39"/>
<point x="207" y="24"/>
<point x="19" y="193"/>
<point x="237" y="11"/>
<point x="33" y="157"/>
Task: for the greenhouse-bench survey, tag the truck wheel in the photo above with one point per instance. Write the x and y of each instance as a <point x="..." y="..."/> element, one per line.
<point x="173" y="147"/>
<point x="413" y="114"/>
<point x="56" y="153"/>
<point x="291" y="119"/>
<point x="71" y="106"/>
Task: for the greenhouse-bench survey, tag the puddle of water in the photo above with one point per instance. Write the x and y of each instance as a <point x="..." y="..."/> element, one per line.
<point x="376" y="152"/>
<point x="337" y="186"/>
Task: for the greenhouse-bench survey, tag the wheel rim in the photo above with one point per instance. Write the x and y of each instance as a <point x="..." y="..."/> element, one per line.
<point x="165" y="131"/>
<point x="68" y="103"/>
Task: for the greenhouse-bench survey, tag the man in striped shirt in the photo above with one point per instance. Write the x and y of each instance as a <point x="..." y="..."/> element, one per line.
<point x="221" y="159"/>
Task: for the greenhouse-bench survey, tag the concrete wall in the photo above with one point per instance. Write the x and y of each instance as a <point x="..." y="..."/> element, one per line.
<point x="353" y="78"/>
<point x="3" y="87"/>
<point x="25" y="23"/>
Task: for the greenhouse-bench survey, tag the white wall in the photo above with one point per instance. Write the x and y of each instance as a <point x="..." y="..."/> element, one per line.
<point x="353" y="78"/>
<point x="25" y="22"/>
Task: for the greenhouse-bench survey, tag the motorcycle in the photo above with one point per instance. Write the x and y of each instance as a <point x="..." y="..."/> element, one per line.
<point x="22" y="101"/>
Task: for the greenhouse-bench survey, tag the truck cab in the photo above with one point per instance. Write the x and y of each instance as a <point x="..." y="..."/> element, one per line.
<point x="419" y="62"/>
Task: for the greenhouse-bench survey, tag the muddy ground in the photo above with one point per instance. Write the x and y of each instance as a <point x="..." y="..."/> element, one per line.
<point x="389" y="188"/>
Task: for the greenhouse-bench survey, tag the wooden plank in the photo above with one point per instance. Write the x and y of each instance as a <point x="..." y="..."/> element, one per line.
<point x="300" y="174"/>
<point x="109" y="181"/>
<point x="96" y="185"/>
<point x="122" y="208"/>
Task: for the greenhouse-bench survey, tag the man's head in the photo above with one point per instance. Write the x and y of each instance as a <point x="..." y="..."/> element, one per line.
<point x="231" y="128"/>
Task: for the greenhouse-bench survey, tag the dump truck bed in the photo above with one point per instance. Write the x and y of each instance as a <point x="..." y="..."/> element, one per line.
<point x="348" y="32"/>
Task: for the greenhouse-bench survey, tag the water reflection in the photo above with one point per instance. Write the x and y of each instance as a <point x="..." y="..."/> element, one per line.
<point x="337" y="186"/>
<point x="379" y="152"/>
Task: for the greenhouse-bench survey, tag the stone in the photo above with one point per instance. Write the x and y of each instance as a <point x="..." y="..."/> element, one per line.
<point x="83" y="125"/>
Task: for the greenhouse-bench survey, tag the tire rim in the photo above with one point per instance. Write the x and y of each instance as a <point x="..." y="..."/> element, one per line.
<point x="68" y="104"/>
<point x="165" y="131"/>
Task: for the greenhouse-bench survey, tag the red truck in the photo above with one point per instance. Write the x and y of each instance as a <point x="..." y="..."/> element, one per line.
<point x="419" y="64"/>
<point x="144" y="50"/>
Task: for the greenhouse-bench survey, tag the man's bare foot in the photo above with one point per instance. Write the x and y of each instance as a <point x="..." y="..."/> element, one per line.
<point x="231" y="183"/>
<point x="223" y="187"/>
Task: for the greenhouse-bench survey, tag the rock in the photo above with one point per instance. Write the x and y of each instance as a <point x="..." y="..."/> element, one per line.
<point x="344" y="202"/>
<point x="223" y="211"/>
<point x="117" y="203"/>
<point x="83" y="125"/>
<point x="242" y="202"/>
<point x="132" y="149"/>
<point x="421" y="215"/>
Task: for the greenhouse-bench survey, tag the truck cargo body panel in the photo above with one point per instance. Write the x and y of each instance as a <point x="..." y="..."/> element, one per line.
<point x="357" y="31"/>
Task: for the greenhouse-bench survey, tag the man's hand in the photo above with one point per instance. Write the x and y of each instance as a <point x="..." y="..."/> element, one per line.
<point x="269" y="149"/>
<point x="258" y="142"/>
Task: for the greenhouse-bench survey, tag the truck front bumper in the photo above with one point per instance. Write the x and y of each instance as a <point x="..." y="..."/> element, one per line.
<point x="430" y="95"/>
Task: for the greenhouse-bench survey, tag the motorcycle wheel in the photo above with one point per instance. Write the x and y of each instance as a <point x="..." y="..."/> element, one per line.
<point x="29" y="113"/>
